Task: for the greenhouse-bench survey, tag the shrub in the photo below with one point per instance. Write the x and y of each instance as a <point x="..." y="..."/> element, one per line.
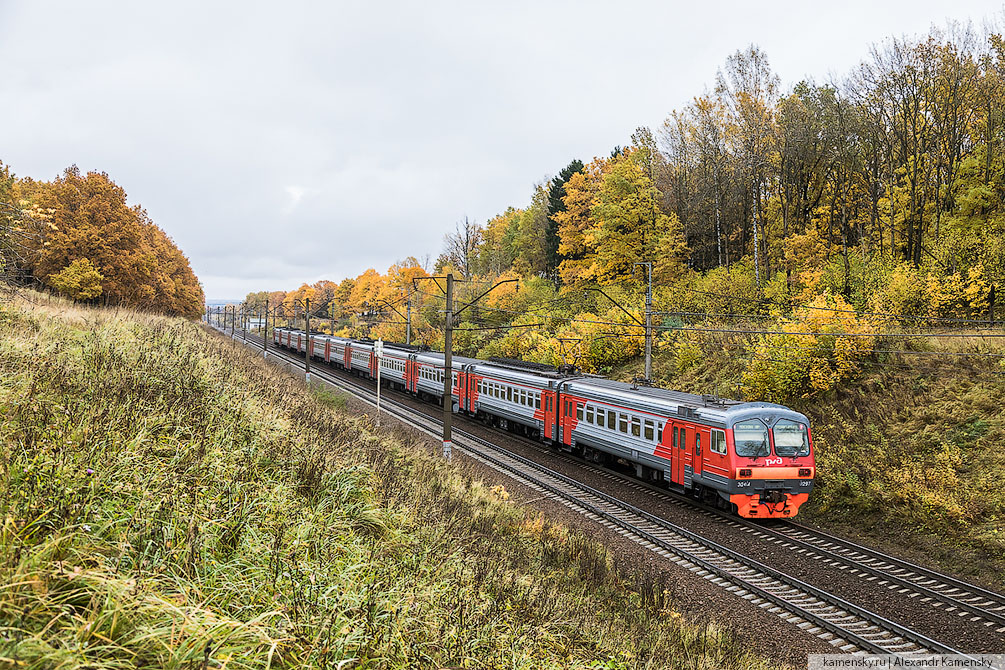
<point x="810" y="354"/>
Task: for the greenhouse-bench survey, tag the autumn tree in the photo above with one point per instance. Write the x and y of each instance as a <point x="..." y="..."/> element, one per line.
<point x="556" y="205"/>
<point x="78" y="280"/>
<point x="88" y="217"/>
<point x="460" y="247"/>
<point x="574" y="222"/>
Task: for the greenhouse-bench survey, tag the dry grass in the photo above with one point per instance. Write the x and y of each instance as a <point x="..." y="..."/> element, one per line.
<point x="171" y="501"/>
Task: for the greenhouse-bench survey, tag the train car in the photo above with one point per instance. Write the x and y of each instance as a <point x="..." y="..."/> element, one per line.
<point x="427" y="376"/>
<point x="341" y="349"/>
<point x="322" y="347"/>
<point x="284" y="337"/>
<point x="361" y="359"/>
<point x="514" y="394"/>
<point x="754" y="458"/>
<point x="394" y="364"/>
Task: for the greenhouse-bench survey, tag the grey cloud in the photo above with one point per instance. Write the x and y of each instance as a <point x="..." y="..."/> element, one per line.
<point x="391" y="120"/>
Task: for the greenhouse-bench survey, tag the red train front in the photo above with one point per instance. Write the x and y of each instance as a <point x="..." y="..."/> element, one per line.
<point x="771" y="460"/>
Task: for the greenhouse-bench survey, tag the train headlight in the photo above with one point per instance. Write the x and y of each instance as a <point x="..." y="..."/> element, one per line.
<point x="744" y="472"/>
<point x="805" y="472"/>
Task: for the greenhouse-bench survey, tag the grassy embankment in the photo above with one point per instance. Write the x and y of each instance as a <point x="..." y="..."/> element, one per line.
<point x="171" y="501"/>
<point x="910" y="451"/>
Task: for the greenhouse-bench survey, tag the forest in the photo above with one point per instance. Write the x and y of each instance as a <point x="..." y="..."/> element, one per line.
<point x="798" y="228"/>
<point x="77" y="236"/>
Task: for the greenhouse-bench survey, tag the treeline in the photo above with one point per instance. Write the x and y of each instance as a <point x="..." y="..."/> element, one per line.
<point x="867" y="206"/>
<point x="824" y="187"/>
<point x="78" y="236"/>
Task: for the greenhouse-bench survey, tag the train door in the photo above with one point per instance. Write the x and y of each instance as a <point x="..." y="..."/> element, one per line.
<point x="548" y="407"/>
<point x="328" y="351"/>
<point x="569" y="421"/>
<point x="677" y="437"/>
<point x="710" y="460"/>
<point x="699" y="446"/>
<point x="468" y="388"/>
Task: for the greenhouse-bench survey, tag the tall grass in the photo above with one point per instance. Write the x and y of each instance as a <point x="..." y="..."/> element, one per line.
<point x="171" y="501"/>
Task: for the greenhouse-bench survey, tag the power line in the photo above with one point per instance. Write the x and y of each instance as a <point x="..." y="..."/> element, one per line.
<point x="765" y="301"/>
<point x="780" y="332"/>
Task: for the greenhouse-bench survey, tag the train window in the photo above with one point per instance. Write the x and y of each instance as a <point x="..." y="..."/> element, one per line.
<point x="623" y="423"/>
<point x="750" y="439"/>
<point x="673" y="436"/>
<point x="600" y="417"/>
<point x="718" y="442"/>
<point x="537" y="401"/>
<point x="611" y="419"/>
<point x="791" y="439"/>
<point x="650" y="430"/>
<point x="659" y="433"/>
<point x="509" y="393"/>
<point x="589" y="414"/>
<point x="636" y="426"/>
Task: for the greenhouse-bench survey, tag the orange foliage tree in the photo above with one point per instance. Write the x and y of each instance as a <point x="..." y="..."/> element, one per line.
<point x="89" y="219"/>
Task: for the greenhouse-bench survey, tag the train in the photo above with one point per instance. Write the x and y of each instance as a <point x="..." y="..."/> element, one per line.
<point x="753" y="459"/>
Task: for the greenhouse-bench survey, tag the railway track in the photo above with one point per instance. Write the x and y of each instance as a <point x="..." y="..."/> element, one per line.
<point x="845" y="625"/>
<point x="909" y="580"/>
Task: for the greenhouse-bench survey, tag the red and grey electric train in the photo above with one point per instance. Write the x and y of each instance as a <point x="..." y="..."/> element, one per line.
<point x="755" y="458"/>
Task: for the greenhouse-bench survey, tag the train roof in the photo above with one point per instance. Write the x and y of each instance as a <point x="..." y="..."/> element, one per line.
<point x="438" y="359"/>
<point x="685" y="405"/>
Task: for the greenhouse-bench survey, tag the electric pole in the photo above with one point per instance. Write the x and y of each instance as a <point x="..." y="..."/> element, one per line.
<point x="233" y="318"/>
<point x="649" y="318"/>
<point x="448" y="370"/>
<point x="265" y="333"/>
<point x="448" y="350"/>
<point x="307" y="347"/>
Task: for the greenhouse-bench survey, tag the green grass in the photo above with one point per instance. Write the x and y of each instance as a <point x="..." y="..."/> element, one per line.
<point x="172" y="501"/>
<point x="910" y="451"/>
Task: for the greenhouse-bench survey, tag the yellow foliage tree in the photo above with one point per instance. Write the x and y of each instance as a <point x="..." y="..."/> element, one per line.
<point x="78" y="280"/>
<point x="821" y="345"/>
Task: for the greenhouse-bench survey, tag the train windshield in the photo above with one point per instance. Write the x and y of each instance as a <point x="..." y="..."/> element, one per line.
<point x="791" y="439"/>
<point x="751" y="439"/>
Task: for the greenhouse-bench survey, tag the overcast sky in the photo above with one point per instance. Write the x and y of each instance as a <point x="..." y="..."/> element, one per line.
<point x="286" y="142"/>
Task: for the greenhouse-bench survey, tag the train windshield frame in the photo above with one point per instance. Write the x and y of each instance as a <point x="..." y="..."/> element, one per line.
<point x="750" y="439"/>
<point x="792" y="439"/>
